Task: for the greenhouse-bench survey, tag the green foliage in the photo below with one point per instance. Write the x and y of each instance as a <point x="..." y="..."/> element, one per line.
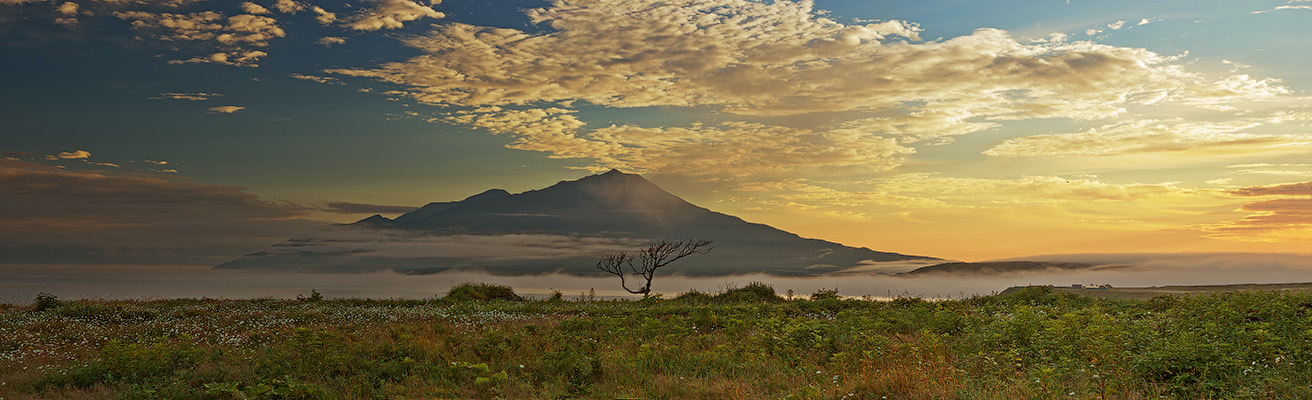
<point x="693" y="296"/>
<point x="745" y="343"/>
<point x="285" y="388"/>
<point x="131" y="362"/>
<point x="480" y="292"/>
<point x="314" y="296"/>
<point x="824" y="294"/>
<point x="46" y="301"/>
<point x="754" y="292"/>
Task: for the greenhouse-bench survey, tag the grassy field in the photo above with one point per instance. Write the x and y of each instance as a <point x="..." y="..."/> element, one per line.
<point x="481" y="342"/>
<point x="1147" y="293"/>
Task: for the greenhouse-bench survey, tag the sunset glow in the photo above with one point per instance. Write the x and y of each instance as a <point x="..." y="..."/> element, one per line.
<point x="191" y="132"/>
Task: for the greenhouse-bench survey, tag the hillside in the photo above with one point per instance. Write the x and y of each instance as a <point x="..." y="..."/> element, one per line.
<point x="1144" y="293"/>
<point x="1000" y="267"/>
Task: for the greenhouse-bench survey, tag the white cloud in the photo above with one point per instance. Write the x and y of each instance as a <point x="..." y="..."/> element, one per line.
<point x="390" y="14"/>
<point x="938" y="121"/>
<point x="1116" y="25"/>
<point x="1285" y="7"/>
<point x="1291" y="116"/>
<point x="226" y="109"/>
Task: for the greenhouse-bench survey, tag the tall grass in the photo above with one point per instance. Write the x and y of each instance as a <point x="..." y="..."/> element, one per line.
<point x="743" y="343"/>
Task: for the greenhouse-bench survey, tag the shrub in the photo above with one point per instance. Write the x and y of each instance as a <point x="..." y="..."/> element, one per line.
<point x="753" y="292"/>
<point x="693" y="296"/>
<point x="130" y="362"/>
<point x="1032" y="295"/>
<point x="481" y="291"/>
<point x="46" y="301"/>
<point x="824" y="294"/>
<point x="314" y="296"/>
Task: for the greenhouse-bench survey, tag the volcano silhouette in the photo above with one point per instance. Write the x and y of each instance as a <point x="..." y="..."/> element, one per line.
<point x="562" y="228"/>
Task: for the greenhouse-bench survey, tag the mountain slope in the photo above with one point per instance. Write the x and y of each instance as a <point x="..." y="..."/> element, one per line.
<point x="1005" y="267"/>
<point x="565" y="227"/>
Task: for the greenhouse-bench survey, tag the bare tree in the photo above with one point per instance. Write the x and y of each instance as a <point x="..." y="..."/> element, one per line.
<point x="650" y="258"/>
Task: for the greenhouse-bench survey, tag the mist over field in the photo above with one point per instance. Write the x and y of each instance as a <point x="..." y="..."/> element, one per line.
<point x="22" y="283"/>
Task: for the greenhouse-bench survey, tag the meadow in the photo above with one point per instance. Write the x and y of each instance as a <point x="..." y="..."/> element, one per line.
<point x="481" y="341"/>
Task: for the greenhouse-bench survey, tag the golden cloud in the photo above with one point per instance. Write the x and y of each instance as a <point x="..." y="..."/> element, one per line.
<point x="391" y="14"/>
<point x="226" y="109"/>
<point x="234" y="36"/>
<point x="1285" y="217"/>
<point x="729" y="148"/>
<point x="781" y="58"/>
<point x="1154" y="136"/>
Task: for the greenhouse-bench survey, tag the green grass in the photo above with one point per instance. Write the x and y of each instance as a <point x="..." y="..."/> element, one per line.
<point x="1031" y="344"/>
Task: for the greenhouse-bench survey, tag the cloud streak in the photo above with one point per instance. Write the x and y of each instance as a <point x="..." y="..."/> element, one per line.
<point x="198" y="96"/>
<point x="226" y="109"/>
<point x="342" y="207"/>
<point x="1285" y="217"/>
<point x="1154" y="136"/>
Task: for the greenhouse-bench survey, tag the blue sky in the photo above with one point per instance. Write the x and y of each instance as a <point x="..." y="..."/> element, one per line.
<point x="1078" y="126"/>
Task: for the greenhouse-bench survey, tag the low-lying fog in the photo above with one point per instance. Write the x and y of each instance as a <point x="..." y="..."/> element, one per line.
<point x="20" y="284"/>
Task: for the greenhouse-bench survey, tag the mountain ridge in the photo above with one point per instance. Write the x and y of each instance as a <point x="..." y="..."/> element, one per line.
<point x="596" y="214"/>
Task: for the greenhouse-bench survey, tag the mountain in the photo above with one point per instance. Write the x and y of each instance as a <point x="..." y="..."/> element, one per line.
<point x="1003" y="267"/>
<point x="566" y="228"/>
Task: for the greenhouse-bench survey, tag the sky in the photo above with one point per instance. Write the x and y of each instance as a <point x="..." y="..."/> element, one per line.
<point x="190" y="132"/>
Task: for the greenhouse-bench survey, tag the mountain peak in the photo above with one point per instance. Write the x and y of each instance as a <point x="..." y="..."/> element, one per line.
<point x="613" y="175"/>
<point x="488" y="194"/>
<point x="373" y="220"/>
<point x="565" y="227"/>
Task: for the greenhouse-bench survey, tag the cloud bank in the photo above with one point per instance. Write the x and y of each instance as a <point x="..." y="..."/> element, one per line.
<point x="90" y="216"/>
<point x="783" y="58"/>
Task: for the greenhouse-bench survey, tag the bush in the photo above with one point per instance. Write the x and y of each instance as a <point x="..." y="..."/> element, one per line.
<point x="46" y="301"/>
<point x="693" y="296"/>
<point x="481" y="291"/>
<point x="824" y="294"/>
<point x="753" y="292"/>
<point x="155" y="362"/>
